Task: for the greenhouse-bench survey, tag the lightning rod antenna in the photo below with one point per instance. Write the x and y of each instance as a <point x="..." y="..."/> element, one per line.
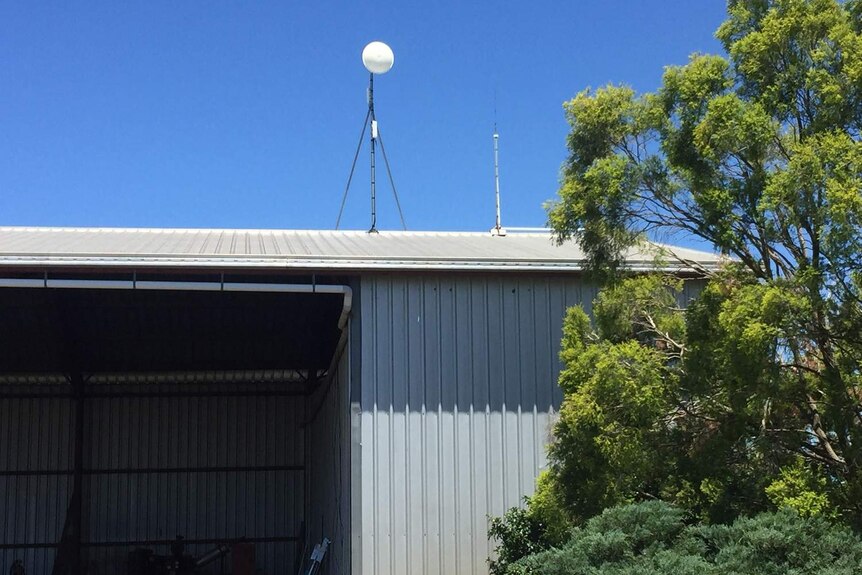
<point x="498" y="229"/>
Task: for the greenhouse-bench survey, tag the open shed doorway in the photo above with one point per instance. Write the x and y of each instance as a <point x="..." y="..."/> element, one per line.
<point x="132" y="417"/>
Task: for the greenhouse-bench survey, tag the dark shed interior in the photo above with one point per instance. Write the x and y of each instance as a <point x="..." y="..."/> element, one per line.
<point x="130" y="417"/>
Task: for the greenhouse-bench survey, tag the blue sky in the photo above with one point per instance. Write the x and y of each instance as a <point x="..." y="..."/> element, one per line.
<point x="247" y="114"/>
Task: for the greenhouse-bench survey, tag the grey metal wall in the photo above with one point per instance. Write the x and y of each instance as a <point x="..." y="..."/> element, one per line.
<point x="209" y="461"/>
<point x="36" y="455"/>
<point x="458" y="392"/>
<point x="458" y="395"/>
<point x="328" y="461"/>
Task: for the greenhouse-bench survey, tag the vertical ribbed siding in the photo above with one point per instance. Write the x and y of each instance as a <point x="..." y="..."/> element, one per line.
<point x="328" y="462"/>
<point x="34" y="439"/>
<point x="255" y="440"/>
<point x="458" y="395"/>
<point x="194" y="432"/>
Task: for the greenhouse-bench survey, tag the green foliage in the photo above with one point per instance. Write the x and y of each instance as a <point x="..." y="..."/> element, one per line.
<point x="521" y="532"/>
<point x="758" y="154"/>
<point x="752" y="398"/>
<point x="524" y="531"/>
<point x="653" y="538"/>
<point x="641" y="309"/>
<point x="603" y="449"/>
<point x="658" y="403"/>
<point x="800" y="488"/>
<point x="544" y="506"/>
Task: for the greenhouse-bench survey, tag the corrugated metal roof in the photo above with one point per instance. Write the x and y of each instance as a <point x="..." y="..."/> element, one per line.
<point x="300" y="249"/>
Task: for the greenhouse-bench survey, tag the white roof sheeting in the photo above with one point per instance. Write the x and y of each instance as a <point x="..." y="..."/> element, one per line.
<point x="305" y="250"/>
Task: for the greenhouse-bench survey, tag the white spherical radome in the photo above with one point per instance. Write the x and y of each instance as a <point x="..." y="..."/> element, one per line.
<point x="378" y="58"/>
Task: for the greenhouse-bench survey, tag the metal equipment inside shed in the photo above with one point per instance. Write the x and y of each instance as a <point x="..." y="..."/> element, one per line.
<point x="138" y="410"/>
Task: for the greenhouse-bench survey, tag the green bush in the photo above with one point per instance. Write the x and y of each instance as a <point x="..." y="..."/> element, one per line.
<point x="541" y="525"/>
<point x="519" y="535"/>
<point x="653" y="538"/>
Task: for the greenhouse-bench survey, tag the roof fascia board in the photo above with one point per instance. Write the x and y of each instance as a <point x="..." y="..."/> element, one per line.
<point x="325" y="264"/>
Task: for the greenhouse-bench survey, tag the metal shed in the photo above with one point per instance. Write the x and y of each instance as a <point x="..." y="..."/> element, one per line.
<point x="388" y="391"/>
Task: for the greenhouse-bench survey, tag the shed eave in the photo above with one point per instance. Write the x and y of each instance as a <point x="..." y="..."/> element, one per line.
<point x="339" y="264"/>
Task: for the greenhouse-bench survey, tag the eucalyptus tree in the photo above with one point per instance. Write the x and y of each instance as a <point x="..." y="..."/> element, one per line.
<point x="754" y="396"/>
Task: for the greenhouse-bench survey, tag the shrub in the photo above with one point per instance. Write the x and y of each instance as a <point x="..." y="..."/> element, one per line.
<point x="653" y="538"/>
<point x="541" y="525"/>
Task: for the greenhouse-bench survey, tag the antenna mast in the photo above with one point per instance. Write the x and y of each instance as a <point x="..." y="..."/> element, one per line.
<point x="371" y="115"/>
<point x="498" y="229"/>
<point x="377" y="58"/>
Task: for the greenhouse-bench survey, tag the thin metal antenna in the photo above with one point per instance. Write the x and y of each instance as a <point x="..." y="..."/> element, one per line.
<point x="373" y="229"/>
<point x="498" y="229"/>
